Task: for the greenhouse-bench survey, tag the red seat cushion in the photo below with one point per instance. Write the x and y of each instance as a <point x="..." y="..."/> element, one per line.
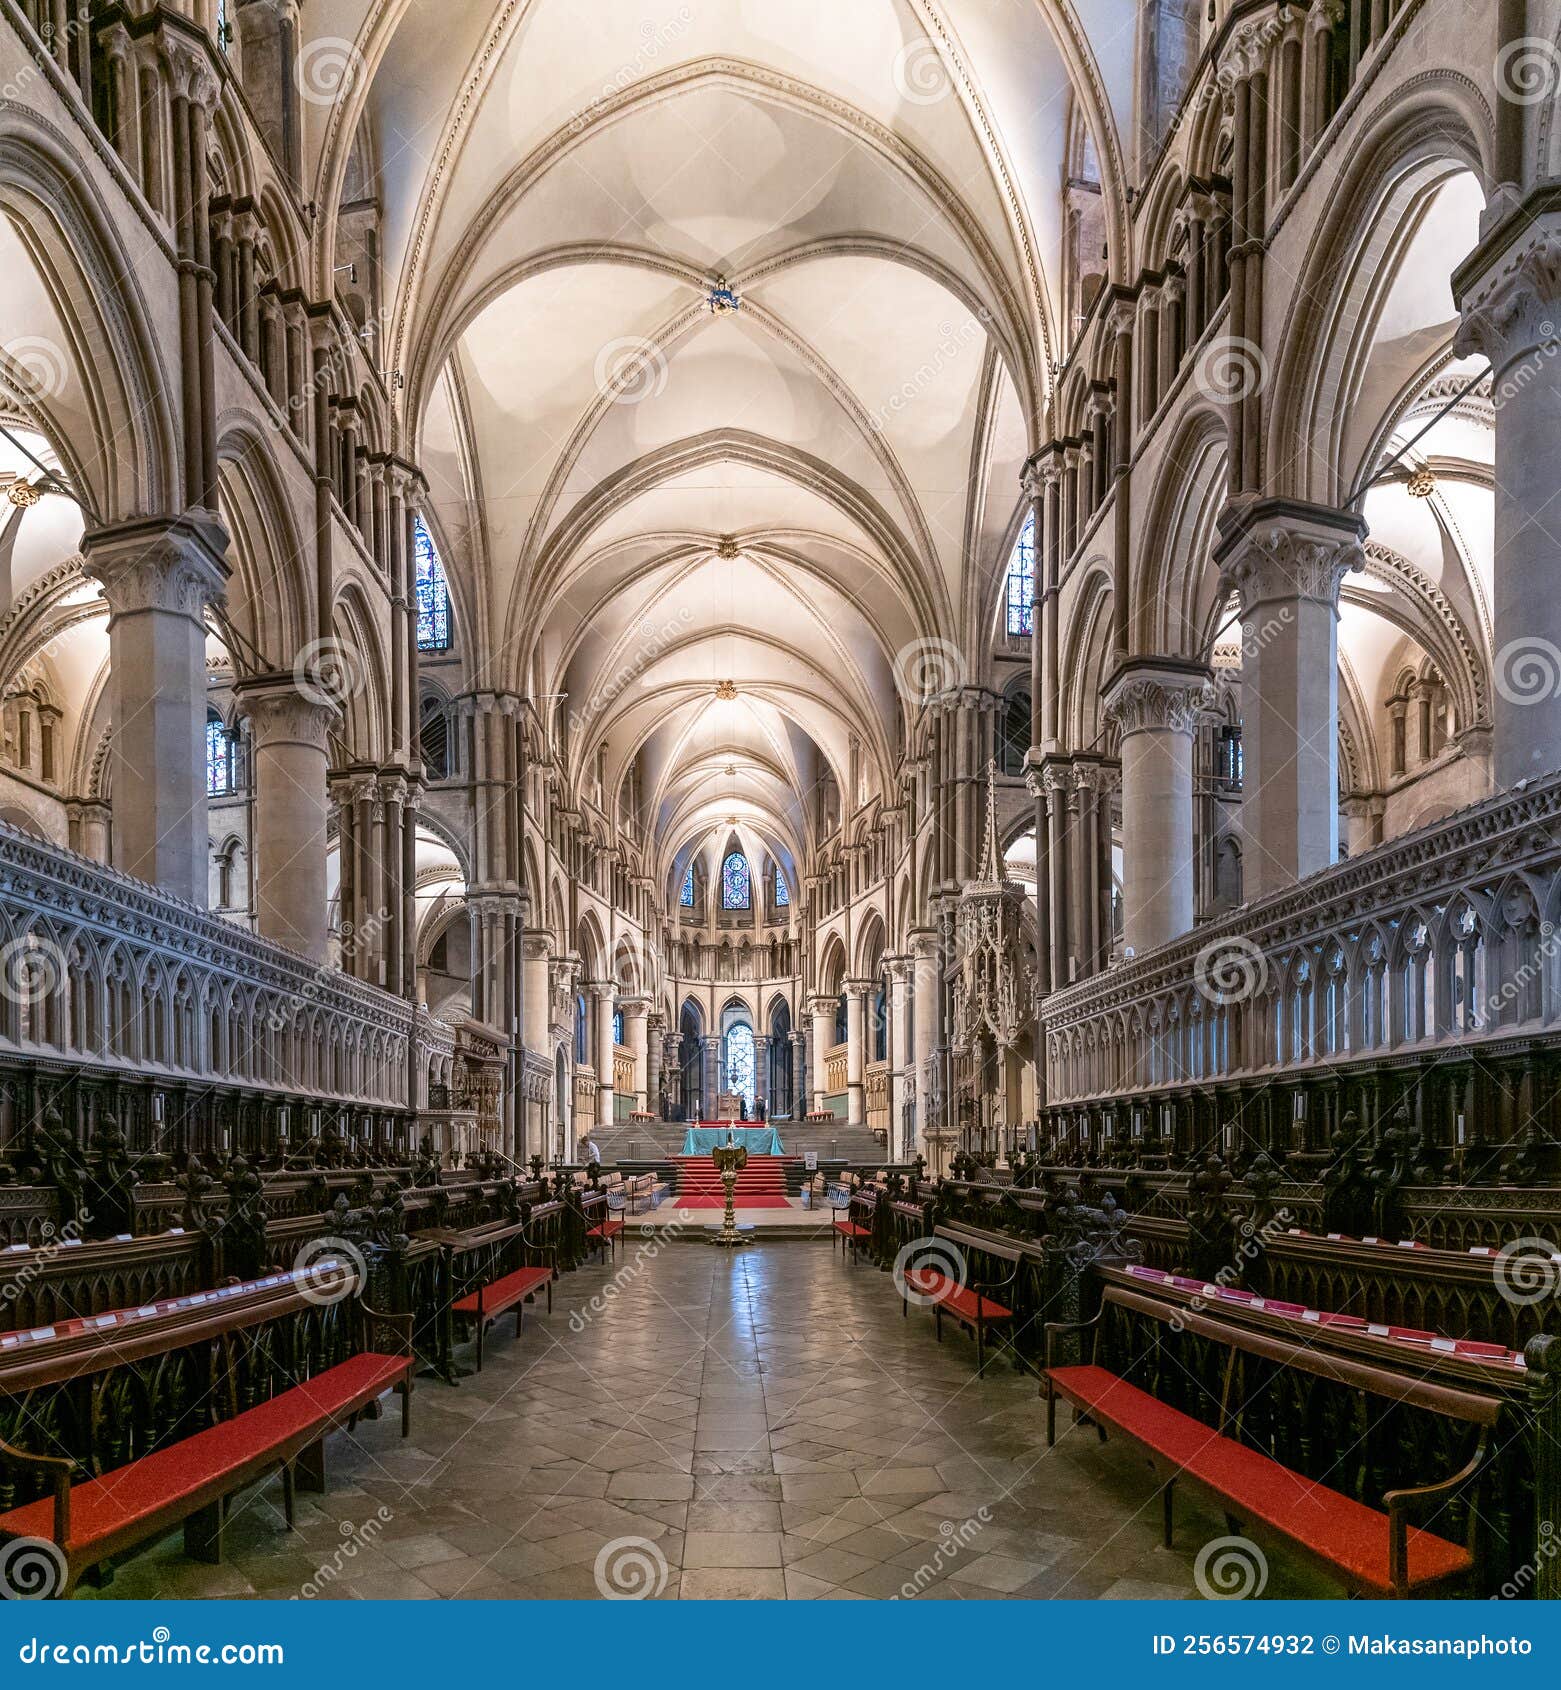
<point x="1342" y="1531"/>
<point x="504" y="1293"/>
<point x="120" y="1499"/>
<point x="605" y="1229"/>
<point x="850" y="1229"/>
<point x="958" y="1299"/>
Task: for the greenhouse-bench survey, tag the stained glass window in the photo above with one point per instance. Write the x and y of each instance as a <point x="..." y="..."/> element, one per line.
<point x="782" y="896"/>
<point x="736" y="888"/>
<point x="617" y="1026"/>
<point x="219" y="756"/>
<point x="686" y="896"/>
<point x="433" y="593"/>
<point x="740" y="1065"/>
<point x="1021" y="581"/>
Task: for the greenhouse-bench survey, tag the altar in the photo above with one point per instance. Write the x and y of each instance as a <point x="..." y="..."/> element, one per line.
<point x="757" y="1141"/>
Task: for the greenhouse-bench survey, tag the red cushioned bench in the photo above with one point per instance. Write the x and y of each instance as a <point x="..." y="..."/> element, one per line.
<point x="1372" y="1552"/>
<point x="191" y="1480"/>
<point x="498" y="1296"/>
<point x="605" y="1236"/>
<point x="967" y="1302"/>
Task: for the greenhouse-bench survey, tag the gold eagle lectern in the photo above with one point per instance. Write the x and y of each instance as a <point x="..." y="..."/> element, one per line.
<point x="729" y="1158"/>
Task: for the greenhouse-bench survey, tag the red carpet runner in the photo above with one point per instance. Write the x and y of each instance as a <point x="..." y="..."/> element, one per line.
<point x="761" y="1185"/>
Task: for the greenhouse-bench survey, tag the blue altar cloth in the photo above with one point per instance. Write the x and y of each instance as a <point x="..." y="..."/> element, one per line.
<point x="757" y="1141"/>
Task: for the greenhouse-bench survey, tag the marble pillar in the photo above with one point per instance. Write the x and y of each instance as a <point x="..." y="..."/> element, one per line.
<point x="856" y="1050"/>
<point x="901" y="1058"/>
<point x="602" y="992"/>
<point x="290" y="738"/>
<point x="158" y="575"/>
<point x="1157" y="704"/>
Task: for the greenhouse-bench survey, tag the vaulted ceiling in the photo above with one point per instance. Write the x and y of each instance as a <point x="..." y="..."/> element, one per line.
<point x="643" y="500"/>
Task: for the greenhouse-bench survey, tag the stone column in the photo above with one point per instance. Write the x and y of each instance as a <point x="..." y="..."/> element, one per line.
<point x="822" y="1010"/>
<point x="799" y="1075"/>
<point x="925" y="1009"/>
<point x="602" y="992"/>
<point x="1157" y="703"/>
<point x="655" y="1055"/>
<point x="901" y="1060"/>
<point x="634" y="1025"/>
<point x="290" y="728"/>
<point x="158" y="575"/>
<point x="1509" y="292"/>
<point x="856" y="1050"/>
<point x="761" y="1068"/>
<point x="1285" y="562"/>
<point x="710" y="1076"/>
<point x="537" y="1005"/>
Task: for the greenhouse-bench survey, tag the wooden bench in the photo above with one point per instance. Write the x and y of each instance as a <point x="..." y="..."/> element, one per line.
<point x="1373" y="1552"/>
<point x="191" y="1478"/>
<point x="498" y="1288"/>
<point x="968" y="1304"/>
<point x="607" y="1234"/>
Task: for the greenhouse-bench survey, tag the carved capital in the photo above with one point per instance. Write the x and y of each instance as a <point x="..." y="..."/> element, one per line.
<point x="1246" y="55"/>
<point x="191" y="75"/>
<point x="1159" y="698"/>
<point x="1509" y="295"/>
<point x="173" y="565"/>
<point x="1275" y="552"/>
<point x="282" y="713"/>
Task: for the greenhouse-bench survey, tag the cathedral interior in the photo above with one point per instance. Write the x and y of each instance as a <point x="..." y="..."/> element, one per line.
<point x="854" y="706"/>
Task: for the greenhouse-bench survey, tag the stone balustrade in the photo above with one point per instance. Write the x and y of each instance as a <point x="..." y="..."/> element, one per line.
<point x="1430" y="963"/>
<point x="104" y="971"/>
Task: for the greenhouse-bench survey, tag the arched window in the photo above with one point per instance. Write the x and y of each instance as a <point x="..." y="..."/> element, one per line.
<point x="433" y="593"/>
<point x="1019" y="589"/>
<point x="582" y="1030"/>
<point x="219" y="756"/>
<point x="736" y="887"/>
<point x="686" y="896"/>
<point x="617" y="1026"/>
<point x="782" y="896"/>
<point x="740" y="1072"/>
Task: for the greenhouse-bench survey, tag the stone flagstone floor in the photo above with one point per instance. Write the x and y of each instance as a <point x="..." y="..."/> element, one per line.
<point x="764" y="1425"/>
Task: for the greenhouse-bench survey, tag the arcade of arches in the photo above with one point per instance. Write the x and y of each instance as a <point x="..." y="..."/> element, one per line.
<point x="973" y="583"/>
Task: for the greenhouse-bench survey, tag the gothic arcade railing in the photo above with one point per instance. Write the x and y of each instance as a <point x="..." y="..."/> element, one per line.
<point x="1434" y="954"/>
<point x="103" y="971"/>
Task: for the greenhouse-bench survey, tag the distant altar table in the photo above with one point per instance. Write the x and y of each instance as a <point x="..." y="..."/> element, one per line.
<point x="757" y="1141"/>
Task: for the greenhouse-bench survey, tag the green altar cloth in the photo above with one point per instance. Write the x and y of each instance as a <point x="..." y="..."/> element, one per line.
<point x="757" y="1141"/>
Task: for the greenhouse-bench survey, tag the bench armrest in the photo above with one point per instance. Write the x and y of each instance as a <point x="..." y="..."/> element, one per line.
<point x="55" y="1471"/>
<point x="398" y="1327"/>
<point x="1414" y="1503"/>
<point x="1054" y="1329"/>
